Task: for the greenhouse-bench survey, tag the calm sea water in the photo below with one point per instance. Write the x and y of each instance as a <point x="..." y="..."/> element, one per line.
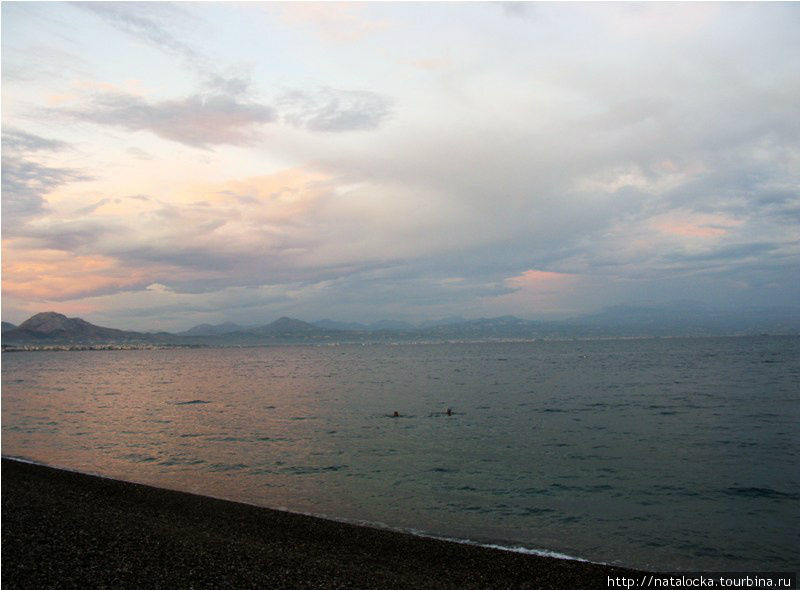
<point x="666" y="454"/>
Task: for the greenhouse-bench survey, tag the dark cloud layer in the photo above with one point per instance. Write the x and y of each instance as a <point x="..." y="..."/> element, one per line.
<point x="25" y="181"/>
<point x="200" y="120"/>
<point x="207" y="119"/>
<point x="17" y="141"/>
<point x="70" y="236"/>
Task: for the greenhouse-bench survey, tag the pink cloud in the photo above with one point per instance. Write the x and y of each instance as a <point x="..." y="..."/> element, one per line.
<point x="538" y="291"/>
<point x="687" y="224"/>
<point x="541" y="281"/>
<point x="54" y="275"/>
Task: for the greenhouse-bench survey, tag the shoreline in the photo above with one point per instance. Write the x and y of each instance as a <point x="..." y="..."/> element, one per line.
<point x="111" y="346"/>
<point x="358" y="523"/>
<point x="66" y="528"/>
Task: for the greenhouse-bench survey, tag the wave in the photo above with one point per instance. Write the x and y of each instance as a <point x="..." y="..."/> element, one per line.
<point x="754" y="492"/>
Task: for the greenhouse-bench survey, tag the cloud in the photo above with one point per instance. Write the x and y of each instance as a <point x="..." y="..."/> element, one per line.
<point x="536" y="292"/>
<point x="332" y="110"/>
<point x="588" y="142"/>
<point x="89" y="209"/>
<point x="517" y="9"/>
<point x="687" y="224"/>
<point x="156" y="24"/>
<point x="25" y="180"/>
<point x="199" y="120"/>
<point x="74" y="236"/>
<point x="25" y="184"/>
<point x="733" y="252"/>
<point x="569" y="171"/>
<point x="227" y="85"/>
<point x="251" y="231"/>
<point x="56" y="275"/>
<point x="147" y="22"/>
<point x="16" y="141"/>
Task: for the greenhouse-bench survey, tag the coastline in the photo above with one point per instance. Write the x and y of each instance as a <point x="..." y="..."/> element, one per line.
<point x="64" y="528"/>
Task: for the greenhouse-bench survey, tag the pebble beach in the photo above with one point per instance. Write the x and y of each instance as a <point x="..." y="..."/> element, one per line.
<point x="65" y="529"/>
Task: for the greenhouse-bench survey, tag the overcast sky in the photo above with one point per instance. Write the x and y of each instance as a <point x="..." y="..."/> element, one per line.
<point x="171" y="164"/>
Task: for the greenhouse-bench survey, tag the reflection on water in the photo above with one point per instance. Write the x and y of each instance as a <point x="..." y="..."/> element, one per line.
<point x="668" y="454"/>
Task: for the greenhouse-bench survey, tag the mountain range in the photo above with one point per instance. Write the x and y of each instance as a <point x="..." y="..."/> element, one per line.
<point x="51" y="328"/>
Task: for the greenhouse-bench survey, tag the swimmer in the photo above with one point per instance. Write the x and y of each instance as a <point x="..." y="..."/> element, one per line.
<point x="449" y="412"/>
<point x="395" y="415"/>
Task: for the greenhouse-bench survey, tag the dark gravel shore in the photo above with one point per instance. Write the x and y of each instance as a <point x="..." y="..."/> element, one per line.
<point x="69" y="530"/>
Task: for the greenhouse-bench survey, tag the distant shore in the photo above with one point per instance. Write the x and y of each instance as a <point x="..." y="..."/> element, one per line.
<point x="83" y="347"/>
<point x="364" y="342"/>
<point x="66" y="529"/>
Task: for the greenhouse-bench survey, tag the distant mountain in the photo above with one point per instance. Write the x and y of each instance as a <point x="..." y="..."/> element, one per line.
<point x="642" y="315"/>
<point x="684" y="319"/>
<point x="691" y="319"/>
<point x="282" y="330"/>
<point x="359" y="327"/>
<point x="391" y="325"/>
<point x="52" y="328"/>
<point x="453" y="319"/>
<point x="453" y="327"/>
<point x="345" y="326"/>
<point x="287" y="327"/>
<point x="212" y="329"/>
<point x="499" y="327"/>
<point x="55" y="327"/>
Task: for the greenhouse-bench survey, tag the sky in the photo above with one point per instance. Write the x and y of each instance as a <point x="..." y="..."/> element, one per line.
<point x="165" y="165"/>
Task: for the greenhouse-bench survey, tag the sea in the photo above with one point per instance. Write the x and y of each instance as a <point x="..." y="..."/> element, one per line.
<point x="667" y="454"/>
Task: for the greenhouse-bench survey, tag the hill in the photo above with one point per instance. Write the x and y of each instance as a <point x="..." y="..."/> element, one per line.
<point x="52" y="327"/>
<point x="212" y="329"/>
